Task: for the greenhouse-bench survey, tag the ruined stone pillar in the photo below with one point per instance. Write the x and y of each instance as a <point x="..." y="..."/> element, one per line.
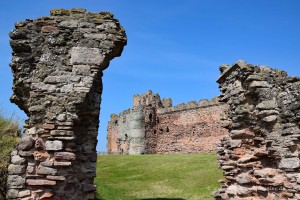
<point x="57" y="66"/>
<point x="260" y="156"/>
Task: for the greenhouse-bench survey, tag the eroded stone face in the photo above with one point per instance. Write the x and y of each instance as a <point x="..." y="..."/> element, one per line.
<point x="260" y="157"/>
<point x="57" y="66"/>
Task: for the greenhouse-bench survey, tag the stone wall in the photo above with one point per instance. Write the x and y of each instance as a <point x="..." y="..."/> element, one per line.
<point x="57" y="66"/>
<point x="155" y="126"/>
<point x="260" y="156"/>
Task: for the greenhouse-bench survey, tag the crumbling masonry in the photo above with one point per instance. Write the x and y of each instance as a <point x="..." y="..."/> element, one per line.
<point x="154" y="126"/>
<point x="57" y="66"/>
<point x="260" y="156"/>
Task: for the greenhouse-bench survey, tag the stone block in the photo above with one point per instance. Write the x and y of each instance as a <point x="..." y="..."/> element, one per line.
<point x="86" y="56"/>
<point x="46" y="170"/>
<point x="15" y="181"/>
<point x="16" y="169"/>
<point x="48" y="126"/>
<point x="62" y="164"/>
<point x="267" y="105"/>
<point x="39" y="182"/>
<point x="54" y="145"/>
<point x="289" y="163"/>
<point x="64" y="156"/>
<point x="259" y="84"/>
<point x="69" y="24"/>
<point x="24" y="193"/>
<point x="17" y="160"/>
<point x="25" y="144"/>
<point x="56" y="178"/>
<point x="61" y="133"/>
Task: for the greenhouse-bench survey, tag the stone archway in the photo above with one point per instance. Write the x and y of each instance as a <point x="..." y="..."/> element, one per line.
<point x="57" y="66"/>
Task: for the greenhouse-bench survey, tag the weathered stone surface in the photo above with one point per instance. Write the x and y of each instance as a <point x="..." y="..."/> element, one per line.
<point x="40" y="182"/>
<point x="263" y="117"/>
<point x="62" y="164"/>
<point x="289" y="163"/>
<point x="25" y="144"/>
<point x="56" y="178"/>
<point x="153" y="125"/>
<point x="61" y="133"/>
<point x="16" y="169"/>
<point x="57" y="64"/>
<point x="15" y="181"/>
<point x="64" y="156"/>
<point x="17" y="160"/>
<point x="83" y="55"/>
<point x="54" y="145"/>
<point x="24" y="193"/>
<point x="46" y="170"/>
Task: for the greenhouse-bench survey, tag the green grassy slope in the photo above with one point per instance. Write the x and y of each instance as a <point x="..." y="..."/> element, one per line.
<point x="176" y="177"/>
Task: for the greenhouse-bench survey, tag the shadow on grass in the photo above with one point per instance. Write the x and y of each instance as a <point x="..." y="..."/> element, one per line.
<point x="163" y="199"/>
<point x="100" y="198"/>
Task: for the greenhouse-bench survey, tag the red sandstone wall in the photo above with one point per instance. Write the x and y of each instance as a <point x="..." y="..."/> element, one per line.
<point x="165" y="129"/>
<point x="187" y="131"/>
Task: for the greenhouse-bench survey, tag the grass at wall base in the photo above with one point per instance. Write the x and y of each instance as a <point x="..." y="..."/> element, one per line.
<point x="166" y="177"/>
<point x="9" y="136"/>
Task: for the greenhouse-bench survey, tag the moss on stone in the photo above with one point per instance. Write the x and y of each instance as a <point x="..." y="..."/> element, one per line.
<point x="59" y="12"/>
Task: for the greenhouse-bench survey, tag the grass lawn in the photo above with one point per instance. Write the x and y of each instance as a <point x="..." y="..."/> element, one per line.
<point x="168" y="177"/>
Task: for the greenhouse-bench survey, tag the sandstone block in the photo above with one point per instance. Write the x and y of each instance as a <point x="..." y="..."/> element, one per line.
<point x="289" y="163"/>
<point x="16" y="169"/>
<point x="260" y="84"/>
<point x="69" y="24"/>
<point x="97" y="36"/>
<point x="66" y="164"/>
<point x="84" y="55"/>
<point x="270" y="119"/>
<point x="48" y="126"/>
<point x="39" y="182"/>
<point x="243" y="133"/>
<point x="12" y="193"/>
<point x="30" y="169"/>
<point x="81" y="69"/>
<point x="26" y="143"/>
<point x="61" y="133"/>
<point x="46" y="170"/>
<point x="244" y="178"/>
<point x="64" y="156"/>
<point x="47" y="163"/>
<point x="54" y="145"/>
<point x="15" y="181"/>
<point x="17" y="160"/>
<point x="56" y="178"/>
<point x="24" y="193"/>
<point x="267" y="105"/>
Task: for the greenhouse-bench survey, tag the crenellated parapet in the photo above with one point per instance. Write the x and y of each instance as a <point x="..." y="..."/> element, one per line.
<point x="154" y="126"/>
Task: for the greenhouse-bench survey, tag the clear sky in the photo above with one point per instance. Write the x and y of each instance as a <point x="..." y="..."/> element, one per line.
<point x="174" y="47"/>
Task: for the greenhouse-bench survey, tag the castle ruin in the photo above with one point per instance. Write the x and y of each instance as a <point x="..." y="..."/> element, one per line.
<point x="57" y="66"/>
<point x="260" y="156"/>
<point x="154" y="126"/>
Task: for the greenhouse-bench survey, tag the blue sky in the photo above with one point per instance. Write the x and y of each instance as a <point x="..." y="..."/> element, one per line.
<point x="174" y="46"/>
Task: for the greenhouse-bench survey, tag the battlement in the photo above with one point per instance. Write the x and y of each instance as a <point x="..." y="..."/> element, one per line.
<point x="153" y="125"/>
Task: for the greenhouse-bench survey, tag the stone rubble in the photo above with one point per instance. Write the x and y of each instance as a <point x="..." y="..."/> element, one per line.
<point x="260" y="156"/>
<point x="57" y="66"/>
